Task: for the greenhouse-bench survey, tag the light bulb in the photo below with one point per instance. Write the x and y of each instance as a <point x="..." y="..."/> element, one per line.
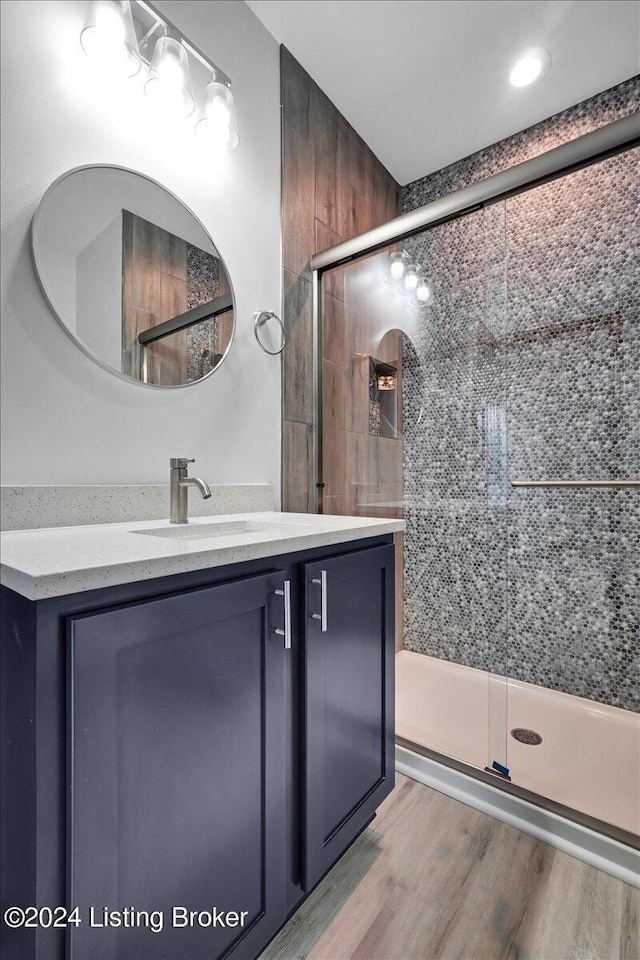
<point x="423" y="291"/>
<point x="396" y="270"/>
<point x="530" y="67"/>
<point x="525" y="72"/>
<point x="109" y="40"/>
<point x="218" y="127"/>
<point x="169" y="83"/>
<point x="411" y="277"/>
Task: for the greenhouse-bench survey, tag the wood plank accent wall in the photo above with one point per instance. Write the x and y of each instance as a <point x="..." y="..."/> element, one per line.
<point x="154" y="289"/>
<point x="333" y="187"/>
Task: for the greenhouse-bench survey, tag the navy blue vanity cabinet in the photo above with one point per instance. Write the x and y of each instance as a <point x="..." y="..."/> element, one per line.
<point x="348" y="659"/>
<point x="177" y="714"/>
<point x="164" y="744"/>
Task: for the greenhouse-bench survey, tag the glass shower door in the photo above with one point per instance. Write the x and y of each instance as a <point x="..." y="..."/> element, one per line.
<point x="414" y="424"/>
<point x="455" y="485"/>
<point x="573" y="404"/>
<point x="520" y="633"/>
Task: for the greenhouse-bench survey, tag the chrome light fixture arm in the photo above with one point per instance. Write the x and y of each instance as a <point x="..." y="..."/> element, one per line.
<point x="121" y="35"/>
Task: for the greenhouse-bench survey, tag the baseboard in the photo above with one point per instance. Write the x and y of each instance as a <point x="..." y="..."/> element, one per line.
<point x="604" y="853"/>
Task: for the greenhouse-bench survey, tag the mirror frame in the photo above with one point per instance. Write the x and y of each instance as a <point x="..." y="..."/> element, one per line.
<point x="33" y="238"/>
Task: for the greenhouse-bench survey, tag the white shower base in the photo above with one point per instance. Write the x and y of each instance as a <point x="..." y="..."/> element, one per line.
<point x="589" y="758"/>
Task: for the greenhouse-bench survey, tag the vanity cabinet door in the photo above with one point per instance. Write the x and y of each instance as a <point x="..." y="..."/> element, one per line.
<point x="348" y="655"/>
<point x="177" y="770"/>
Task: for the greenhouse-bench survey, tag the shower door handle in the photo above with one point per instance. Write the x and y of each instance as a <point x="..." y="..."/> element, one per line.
<point x="322" y="616"/>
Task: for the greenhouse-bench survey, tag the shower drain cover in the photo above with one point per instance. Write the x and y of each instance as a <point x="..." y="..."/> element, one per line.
<point x="530" y="737"/>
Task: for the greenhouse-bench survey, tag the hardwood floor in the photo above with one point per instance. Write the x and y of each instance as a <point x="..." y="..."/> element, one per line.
<point x="432" y="878"/>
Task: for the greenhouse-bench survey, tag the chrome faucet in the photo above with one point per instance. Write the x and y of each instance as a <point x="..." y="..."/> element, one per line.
<point x="179" y="486"/>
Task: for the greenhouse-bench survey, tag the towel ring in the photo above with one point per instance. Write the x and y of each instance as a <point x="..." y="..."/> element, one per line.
<point x="259" y="320"/>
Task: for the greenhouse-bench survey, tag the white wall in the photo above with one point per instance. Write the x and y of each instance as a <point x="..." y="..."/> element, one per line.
<point x="64" y="419"/>
<point x="99" y="294"/>
<point x="82" y="205"/>
<point x="63" y="267"/>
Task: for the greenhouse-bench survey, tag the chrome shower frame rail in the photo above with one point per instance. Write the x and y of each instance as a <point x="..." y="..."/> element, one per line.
<point x="582" y="152"/>
<point x="578" y="484"/>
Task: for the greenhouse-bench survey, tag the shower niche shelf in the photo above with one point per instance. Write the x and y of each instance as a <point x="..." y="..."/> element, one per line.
<point x="383" y="400"/>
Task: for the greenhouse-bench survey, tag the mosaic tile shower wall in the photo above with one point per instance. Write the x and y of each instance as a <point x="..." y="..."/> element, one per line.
<point x="203" y="285"/>
<point x="526" y="365"/>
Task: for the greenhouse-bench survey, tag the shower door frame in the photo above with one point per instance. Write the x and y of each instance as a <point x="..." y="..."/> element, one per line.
<point x="590" y="148"/>
<point x="583" y="151"/>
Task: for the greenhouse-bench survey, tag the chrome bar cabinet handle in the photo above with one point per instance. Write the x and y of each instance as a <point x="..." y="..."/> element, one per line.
<point x="322" y="616"/>
<point x="286" y="633"/>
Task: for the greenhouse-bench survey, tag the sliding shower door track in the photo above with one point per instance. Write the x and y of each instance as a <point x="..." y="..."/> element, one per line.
<point x="569" y="813"/>
<point x="592" y="147"/>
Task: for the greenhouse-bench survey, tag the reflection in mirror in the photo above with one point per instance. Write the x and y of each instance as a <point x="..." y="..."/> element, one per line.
<point x="176" y="305"/>
<point x="133" y="276"/>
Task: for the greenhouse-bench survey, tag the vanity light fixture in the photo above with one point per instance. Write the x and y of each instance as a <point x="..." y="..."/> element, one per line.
<point x="108" y="38"/>
<point x="169" y="83"/>
<point x="408" y="278"/>
<point x="218" y="125"/>
<point x="530" y="67"/>
<point x="123" y="35"/>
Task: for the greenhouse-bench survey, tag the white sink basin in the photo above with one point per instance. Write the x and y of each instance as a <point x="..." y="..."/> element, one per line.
<point x="220" y="528"/>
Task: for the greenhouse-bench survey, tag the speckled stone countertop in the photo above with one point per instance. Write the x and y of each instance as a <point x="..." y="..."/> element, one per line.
<point x="56" y="561"/>
<point x="28" y="507"/>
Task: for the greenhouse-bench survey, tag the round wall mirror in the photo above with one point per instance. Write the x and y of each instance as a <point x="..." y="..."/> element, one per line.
<point x="132" y="276"/>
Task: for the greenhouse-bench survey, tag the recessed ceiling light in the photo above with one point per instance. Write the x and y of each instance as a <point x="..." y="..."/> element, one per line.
<point x="530" y="67"/>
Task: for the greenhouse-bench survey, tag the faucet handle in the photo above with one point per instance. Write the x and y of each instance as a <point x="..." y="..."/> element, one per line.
<point x="177" y="463"/>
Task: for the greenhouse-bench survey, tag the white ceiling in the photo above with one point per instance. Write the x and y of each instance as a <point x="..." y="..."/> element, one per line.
<point x="425" y="82"/>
